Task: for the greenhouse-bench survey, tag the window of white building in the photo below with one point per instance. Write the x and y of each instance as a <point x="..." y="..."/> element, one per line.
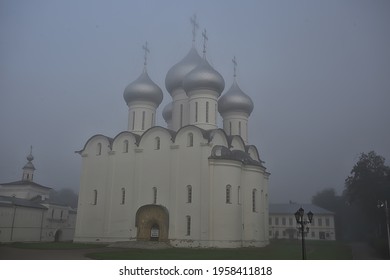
<point x="207" y="112"/>
<point x="157" y="143"/>
<point x="123" y="196"/>
<point x="190" y="139"/>
<point x="95" y="197"/>
<point x="189" y="194"/>
<point x="99" y="149"/>
<point x="188" y="218"/>
<point x="143" y="120"/>
<point x="126" y="146"/>
<point x="228" y="194"/>
<point x="254" y="191"/>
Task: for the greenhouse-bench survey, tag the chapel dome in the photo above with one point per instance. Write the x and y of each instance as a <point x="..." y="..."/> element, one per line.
<point x="176" y="74"/>
<point x="167" y="112"/>
<point x="204" y="77"/>
<point x="143" y="89"/>
<point x="235" y="100"/>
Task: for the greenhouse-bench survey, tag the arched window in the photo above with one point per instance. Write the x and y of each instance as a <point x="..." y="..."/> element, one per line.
<point x="99" y="149"/>
<point x="95" y="197"/>
<point x="230" y="128"/>
<point x="123" y="197"/>
<point x="157" y="143"/>
<point x="239" y="128"/>
<point x="154" y="195"/>
<point x="189" y="194"/>
<point x="190" y="139"/>
<point x="188" y="218"/>
<point x="126" y="146"/>
<point x="196" y="111"/>
<point x="207" y="112"/>
<point x="133" y="119"/>
<point x="254" y="191"/>
<point x="238" y="195"/>
<point x="143" y="120"/>
<point x="228" y="194"/>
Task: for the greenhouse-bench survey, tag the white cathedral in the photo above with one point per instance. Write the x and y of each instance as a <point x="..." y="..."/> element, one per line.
<point x="191" y="184"/>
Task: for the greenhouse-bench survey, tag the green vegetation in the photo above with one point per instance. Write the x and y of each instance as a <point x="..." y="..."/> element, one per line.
<point x="277" y="250"/>
<point x="54" y="245"/>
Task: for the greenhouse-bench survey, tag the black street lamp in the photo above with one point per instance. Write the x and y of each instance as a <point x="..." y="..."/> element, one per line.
<point x="299" y="215"/>
<point x="382" y="204"/>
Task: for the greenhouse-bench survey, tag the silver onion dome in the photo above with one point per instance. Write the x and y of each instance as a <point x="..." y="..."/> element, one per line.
<point x="235" y="100"/>
<point x="167" y="112"/>
<point x="143" y="89"/>
<point x="176" y="74"/>
<point x="204" y="77"/>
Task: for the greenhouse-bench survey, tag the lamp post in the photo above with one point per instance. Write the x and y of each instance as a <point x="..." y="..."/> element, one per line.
<point x="299" y="216"/>
<point x="382" y="204"/>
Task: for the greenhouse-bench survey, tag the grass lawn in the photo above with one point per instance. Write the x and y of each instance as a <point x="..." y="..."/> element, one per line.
<point x="54" y="245"/>
<point x="277" y="250"/>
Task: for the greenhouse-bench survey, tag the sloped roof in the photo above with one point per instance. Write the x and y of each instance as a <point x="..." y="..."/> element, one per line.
<point x="25" y="183"/>
<point x="10" y="201"/>
<point x="291" y="208"/>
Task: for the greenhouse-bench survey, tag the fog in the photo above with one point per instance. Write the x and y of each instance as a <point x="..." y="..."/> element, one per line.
<point x="318" y="73"/>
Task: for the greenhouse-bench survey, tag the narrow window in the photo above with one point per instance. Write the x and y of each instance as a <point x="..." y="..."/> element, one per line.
<point x="157" y="143"/>
<point x="123" y="198"/>
<point x="239" y="195"/>
<point x="196" y="111"/>
<point x="270" y="221"/>
<point x="99" y="149"/>
<point x="143" y="120"/>
<point x="228" y="194"/>
<point x="95" y="194"/>
<point x="62" y="213"/>
<point x="207" y="112"/>
<point x="154" y="195"/>
<point x="290" y="221"/>
<point x="230" y="128"/>
<point x="133" y="119"/>
<point x="327" y="223"/>
<point x="126" y="146"/>
<point x="190" y="140"/>
<point x="276" y="221"/>
<point x="152" y="121"/>
<point x="254" y="201"/>
<point x="319" y="222"/>
<point x="52" y="213"/>
<point x="239" y="128"/>
<point x="284" y="221"/>
<point x="188" y="225"/>
<point x="181" y="115"/>
<point x="189" y="194"/>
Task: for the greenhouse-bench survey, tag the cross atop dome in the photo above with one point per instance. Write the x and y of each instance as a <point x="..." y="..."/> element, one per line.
<point x="234" y="67"/>
<point x="195" y="26"/>
<point x="145" y="48"/>
<point x="205" y="38"/>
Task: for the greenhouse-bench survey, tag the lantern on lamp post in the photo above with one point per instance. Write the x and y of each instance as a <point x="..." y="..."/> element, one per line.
<point x="299" y="216"/>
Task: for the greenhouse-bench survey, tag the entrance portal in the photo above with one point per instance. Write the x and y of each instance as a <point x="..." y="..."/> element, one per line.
<point x="152" y="222"/>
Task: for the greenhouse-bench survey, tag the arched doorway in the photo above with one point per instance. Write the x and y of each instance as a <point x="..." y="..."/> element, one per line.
<point x="152" y="222"/>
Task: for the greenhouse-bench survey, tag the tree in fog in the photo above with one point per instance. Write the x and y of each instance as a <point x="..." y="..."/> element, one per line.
<point x="65" y="196"/>
<point x="368" y="183"/>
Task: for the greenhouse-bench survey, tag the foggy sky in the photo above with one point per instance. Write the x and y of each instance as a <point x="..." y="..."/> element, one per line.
<point x="317" y="71"/>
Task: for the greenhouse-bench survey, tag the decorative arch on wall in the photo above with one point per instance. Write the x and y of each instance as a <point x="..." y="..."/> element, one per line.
<point x="151" y="217"/>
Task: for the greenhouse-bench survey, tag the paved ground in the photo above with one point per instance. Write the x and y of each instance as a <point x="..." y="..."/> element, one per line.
<point x="360" y="251"/>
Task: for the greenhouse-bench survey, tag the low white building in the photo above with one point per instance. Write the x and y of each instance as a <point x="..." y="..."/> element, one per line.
<point x="28" y="214"/>
<point x="282" y="223"/>
<point x="191" y="184"/>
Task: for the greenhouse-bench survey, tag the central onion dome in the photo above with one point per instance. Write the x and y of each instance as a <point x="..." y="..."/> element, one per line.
<point x="143" y="89"/>
<point x="176" y="74"/>
<point x="235" y="100"/>
<point x="204" y="77"/>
